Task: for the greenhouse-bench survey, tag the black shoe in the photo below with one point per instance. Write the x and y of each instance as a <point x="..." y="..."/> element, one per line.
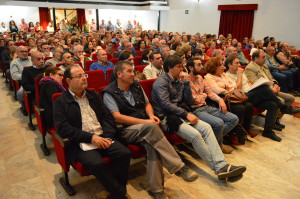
<point x="290" y="110"/>
<point x="277" y="127"/>
<point x="280" y="124"/>
<point x="24" y="111"/>
<point x="271" y="135"/>
<point x="230" y="171"/>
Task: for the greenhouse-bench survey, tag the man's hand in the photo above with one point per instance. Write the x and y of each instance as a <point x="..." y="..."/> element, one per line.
<point x="247" y="62"/>
<point x="222" y="106"/>
<point x="240" y="71"/>
<point x="155" y="119"/>
<point x="192" y="118"/>
<point x="282" y="67"/>
<point x="81" y="57"/>
<point x="183" y="76"/>
<point x="276" y="88"/>
<point x="102" y="143"/>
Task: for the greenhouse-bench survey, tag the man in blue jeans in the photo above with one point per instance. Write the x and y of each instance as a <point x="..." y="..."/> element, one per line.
<point x="221" y="121"/>
<point x="168" y="93"/>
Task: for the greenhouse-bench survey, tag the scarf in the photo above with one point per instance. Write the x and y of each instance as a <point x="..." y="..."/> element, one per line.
<point x="47" y="78"/>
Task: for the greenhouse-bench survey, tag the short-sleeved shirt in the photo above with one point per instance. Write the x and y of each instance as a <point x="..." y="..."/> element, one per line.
<point x="112" y="105"/>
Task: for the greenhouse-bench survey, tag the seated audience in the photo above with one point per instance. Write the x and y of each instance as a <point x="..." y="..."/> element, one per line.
<point x="16" y="69"/>
<point x="57" y="52"/>
<point x="202" y="48"/>
<point x="212" y="46"/>
<point x="240" y="55"/>
<point x="155" y="68"/>
<point x="80" y="115"/>
<point x="78" y="55"/>
<point x="50" y="83"/>
<point x="130" y="106"/>
<point x="258" y="46"/>
<point x="165" y="51"/>
<point x="230" y="51"/>
<point x="281" y="73"/>
<point x="141" y="45"/>
<point x="145" y="57"/>
<point x="261" y="97"/>
<point x="109" y="48"/>
<point x="46" y="50"/>
<point x="219" y="54"/>
<point x="102" y="63"/>
<point x="67" y="60"/>
<point x="128" y="47"/>
<point x="221" y="84"/>
<point x="221" y="121"/>
<point x="171" y="97"/>
<point x="257" y="69"/>
<point x="193" y="43"/>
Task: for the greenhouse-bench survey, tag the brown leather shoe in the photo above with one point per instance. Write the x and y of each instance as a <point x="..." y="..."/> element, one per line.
<point x="226" y="149"/>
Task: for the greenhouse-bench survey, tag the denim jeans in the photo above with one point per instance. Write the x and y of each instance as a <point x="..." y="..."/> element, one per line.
<point x="220" y="123"/>
<point x="204" y="142"/>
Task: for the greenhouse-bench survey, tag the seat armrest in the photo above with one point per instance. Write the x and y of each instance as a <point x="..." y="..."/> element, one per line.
<point x="63" y="141"/>
<point x="39" y="109"/>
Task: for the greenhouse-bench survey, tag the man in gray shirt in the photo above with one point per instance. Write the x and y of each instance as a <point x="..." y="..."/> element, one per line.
<point x="130" y="106"/>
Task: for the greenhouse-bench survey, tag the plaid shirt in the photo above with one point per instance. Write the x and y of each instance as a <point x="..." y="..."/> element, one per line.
<point x="200" y="91"/>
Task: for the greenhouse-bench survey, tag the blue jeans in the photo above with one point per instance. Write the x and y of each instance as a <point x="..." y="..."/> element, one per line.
<point x="204" y="142"/>
<point x="220" y="123"/>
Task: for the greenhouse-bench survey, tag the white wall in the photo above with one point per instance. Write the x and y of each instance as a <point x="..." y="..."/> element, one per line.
<point x="147" y="18"/>
<point x="16" y="13"/>
<point x="276" y="18"/>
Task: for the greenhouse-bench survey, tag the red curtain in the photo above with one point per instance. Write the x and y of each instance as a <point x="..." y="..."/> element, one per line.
<point x="81" y="17"/>
<point x="237" y="22"/>
<point x="44" y="17"/>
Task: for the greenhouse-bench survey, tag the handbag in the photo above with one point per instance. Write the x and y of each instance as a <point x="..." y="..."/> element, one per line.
<point x="235" y="96"/>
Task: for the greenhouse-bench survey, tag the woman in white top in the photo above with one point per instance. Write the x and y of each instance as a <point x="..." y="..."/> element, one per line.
<point x="221" y="84"/>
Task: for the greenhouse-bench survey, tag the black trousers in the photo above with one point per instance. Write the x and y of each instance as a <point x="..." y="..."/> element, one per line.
<point x="265" y="99"/>
<point x="244" y="112"/>
<point x="113" y="179"/>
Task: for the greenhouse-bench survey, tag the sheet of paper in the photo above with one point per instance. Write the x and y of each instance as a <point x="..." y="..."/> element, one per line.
<point x="88" y="146"/>
<point x="261" y="81"/>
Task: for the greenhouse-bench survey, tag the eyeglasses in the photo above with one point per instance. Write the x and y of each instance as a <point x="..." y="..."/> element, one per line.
<point x="81" y="76"/>
<point x="23" y="51"/>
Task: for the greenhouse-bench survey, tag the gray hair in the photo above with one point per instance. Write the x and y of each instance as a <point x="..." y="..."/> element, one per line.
<point x="216" y="52"/>
<point x="78" y="47"/>
<point x="153" y="40"/>
<point x="228" y="50"/>
<point x="55" y="49"/>
<point x="163" y="48"/>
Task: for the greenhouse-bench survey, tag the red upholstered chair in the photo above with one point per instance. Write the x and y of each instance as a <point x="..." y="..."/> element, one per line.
<point x="21" y="44"/>
<point x="13" y="85"/>
<point x="114" y="60"/>
<point x="137" y="60"/>
<point x="88" y="64"/>
<point x="114" y="54"/>
<point x="46" y="58"/>
<point x="205" y="60"/>
<point x="59" y="64"/>
<point x="96" y="79"/>
<point x="60" y="145"/>
<point x="27" y="100"/>
<point x="39" y="113"/>
<point x="147" y="86"/>
<point x="140" y="68"/>
<point x="108" y="75"/>
<point x="109" y="56"/>
<point x="247" y="53"/>
<point x="94" y="56"/>
<point x="139" y="53"/>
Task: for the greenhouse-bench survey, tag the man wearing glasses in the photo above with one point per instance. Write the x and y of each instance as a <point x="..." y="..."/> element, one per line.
<point x="57" y="51"/>
<point x="16" y="69"/>
<point x="80" y="115"/>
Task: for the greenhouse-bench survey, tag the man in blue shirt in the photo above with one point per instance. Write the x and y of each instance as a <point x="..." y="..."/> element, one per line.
<point x="129" y="26"/>
<point x="109" y="27"/>
<point x="102" y="63"/>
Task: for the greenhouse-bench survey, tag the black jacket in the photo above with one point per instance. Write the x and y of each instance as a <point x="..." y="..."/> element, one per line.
<point x="47" y="89"/>
<point x="68" y="121"/>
